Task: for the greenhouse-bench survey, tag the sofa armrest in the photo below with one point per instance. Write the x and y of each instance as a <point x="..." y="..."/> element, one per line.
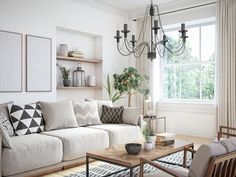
<point x="141" y="122"/>
<point x="0" y="155"/>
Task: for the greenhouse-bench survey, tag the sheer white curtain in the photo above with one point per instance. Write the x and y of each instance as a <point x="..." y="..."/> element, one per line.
<point x="145" y="66"/>
<point x="226" y="47"/>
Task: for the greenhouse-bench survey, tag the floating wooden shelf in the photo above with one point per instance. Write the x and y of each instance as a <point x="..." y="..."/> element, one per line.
<point x="97" y="87"/>
<point x="79" y="59"/>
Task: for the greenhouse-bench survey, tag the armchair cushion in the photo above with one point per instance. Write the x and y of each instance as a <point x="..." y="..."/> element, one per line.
<point x="202" y="157"/>
<point x="229" y="144"/>
<point x="179" y="170"/>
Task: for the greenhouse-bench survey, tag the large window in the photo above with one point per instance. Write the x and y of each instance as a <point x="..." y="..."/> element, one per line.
<point x="190" y="76"/>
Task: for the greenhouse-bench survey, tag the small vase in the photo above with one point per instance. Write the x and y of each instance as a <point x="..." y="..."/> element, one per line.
<point x="152" y="139"/>
<point x="66" y="83"/>
<point x="148" y="146"/>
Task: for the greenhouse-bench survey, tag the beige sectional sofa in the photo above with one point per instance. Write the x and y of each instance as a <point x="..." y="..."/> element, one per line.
<point x="36" y="154"/>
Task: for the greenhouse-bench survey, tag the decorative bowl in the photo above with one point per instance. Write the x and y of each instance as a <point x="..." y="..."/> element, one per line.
<point x="133" y="148"/>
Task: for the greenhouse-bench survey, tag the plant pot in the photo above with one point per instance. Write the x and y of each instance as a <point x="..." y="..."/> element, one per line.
<point x="152" y="139"/>
<point x="148" y="146"/>
<point x="66" y="83"/>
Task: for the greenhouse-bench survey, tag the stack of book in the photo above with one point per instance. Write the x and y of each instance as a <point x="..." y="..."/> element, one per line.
<point x="77" y="54"/>
<point x="165" y="139"/>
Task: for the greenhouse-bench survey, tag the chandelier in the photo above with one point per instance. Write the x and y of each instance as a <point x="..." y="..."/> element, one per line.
<point x="159" y="42"/>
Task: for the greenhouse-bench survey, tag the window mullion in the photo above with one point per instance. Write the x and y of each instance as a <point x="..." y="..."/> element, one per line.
<point x="200" y="58"/>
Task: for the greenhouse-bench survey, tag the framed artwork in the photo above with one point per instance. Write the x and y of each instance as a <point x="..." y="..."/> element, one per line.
<point x="38" y="64"/>
<point x="10" y="61"/>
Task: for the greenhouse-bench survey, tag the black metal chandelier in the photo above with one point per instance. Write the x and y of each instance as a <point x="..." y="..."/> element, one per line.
<point x="159" y="42"/>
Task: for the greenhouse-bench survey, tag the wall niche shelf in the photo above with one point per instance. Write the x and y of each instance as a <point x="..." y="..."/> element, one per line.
<point x="71" y="88"/>
<point x="85" y="60"/>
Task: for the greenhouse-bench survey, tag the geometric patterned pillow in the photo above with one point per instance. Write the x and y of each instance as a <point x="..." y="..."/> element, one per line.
<point x="112" y="115"/>
<point x="26" y="119"/>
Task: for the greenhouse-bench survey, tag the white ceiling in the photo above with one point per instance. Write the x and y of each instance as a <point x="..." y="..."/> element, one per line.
<point x="132" y="5"/>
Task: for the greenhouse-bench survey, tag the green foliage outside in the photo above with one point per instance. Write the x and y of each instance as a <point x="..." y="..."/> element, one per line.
<point x="186" y="78"/>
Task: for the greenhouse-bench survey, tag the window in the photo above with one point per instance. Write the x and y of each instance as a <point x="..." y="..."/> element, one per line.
<point x="190" y="76"/>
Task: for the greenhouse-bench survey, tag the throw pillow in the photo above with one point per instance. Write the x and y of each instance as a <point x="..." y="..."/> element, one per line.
<point x="131" y="115"/>
<point x="26" y="119"/>
<point x="99" y="105"/>
<point x="4" y="110"/>
<point x="6" y="130"/>
<point x="86" y="113"/>
<point x="58" y="115"/>
<point x="112" y="115"/>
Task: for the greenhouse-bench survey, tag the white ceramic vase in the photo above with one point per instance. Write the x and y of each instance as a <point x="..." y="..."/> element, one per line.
<point x="148" y="146"/>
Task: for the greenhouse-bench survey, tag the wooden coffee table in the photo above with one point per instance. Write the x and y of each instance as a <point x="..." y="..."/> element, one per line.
<point x="118" y="155"/>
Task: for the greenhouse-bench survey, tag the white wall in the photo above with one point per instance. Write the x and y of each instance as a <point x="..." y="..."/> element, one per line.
<point x="41" y="17"/>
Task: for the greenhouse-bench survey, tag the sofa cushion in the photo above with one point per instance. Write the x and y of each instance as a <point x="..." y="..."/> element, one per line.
<point x="131" y="115"/>
<point x="120" y="133"/>
<point x="26" y="119"/>
<point x="202" y="157"/>
<point x="112" y="115"/>
<point x="86" y="113"/>
<point x="31" y="152"/>
<point x="58" y="115"/>
<point x="78" y="141"/>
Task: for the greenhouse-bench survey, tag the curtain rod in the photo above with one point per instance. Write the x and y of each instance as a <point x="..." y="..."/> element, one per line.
<point x="187" y="8"/>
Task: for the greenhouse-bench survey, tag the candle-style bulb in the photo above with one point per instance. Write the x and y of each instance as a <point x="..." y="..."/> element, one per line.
<point x="155" y="24"/>
<point x="182" y="27"/>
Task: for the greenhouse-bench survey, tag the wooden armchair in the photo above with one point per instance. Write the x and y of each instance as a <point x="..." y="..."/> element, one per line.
<point x="215" y="156"/>
<point x="227" y="131"/>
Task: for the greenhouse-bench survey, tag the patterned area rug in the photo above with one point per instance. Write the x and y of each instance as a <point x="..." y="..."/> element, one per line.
<point x="105" y="168"/>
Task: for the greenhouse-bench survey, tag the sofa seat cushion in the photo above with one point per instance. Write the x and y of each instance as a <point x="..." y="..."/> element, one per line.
<point x="30" y="152"/>
<point x="78" y="141"/>
<point x="120" y="133"/>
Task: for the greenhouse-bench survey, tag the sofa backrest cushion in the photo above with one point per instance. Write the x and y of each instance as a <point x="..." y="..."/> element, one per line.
<point x="58" y="115"/>
<point x="202" y="158"/>
<point x="131" y="115"/>
<point x="86" y="113"/>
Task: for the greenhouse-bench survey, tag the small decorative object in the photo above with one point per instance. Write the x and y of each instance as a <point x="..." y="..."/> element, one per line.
<point x="63" y="50"/>
<point x="163" y="45"/>
<point x="165" y="139"/>
<point x="79" y="77"/>
<point x="109" y="86"/>
<point x="65" y="75"/>
<point x="128" y="82"/>
<point x="150" y="138"/>
<point x="77" y="54"/>
<point x="133" y="148"/>
<point x="91" y="81"/>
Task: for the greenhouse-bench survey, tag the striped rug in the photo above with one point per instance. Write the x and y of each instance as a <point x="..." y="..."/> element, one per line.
<point x="106" y="168"/>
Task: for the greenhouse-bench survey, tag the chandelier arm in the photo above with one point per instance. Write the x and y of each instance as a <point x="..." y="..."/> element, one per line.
<point x="138" y="48"/>
<point x="127" y="46"/>
<point x="119" y="50"/>
<point x="146" y="45"/>
<point x="159" y="18"/>
<point x="161" y="53"/>
<point x="178" y="48"/>
<point x="178" y="52"/>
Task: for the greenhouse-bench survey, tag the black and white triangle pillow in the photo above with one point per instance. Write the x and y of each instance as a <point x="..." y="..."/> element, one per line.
<point x="26" y="119"/>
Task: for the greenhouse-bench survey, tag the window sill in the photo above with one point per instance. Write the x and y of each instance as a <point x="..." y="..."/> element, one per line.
<point x="189" y="107"/>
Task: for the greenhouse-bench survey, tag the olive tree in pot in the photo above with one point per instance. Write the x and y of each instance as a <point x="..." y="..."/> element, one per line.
<point x="65" y="75"/>
<point x="150" y="138"/>
<point x="128" y="82"/>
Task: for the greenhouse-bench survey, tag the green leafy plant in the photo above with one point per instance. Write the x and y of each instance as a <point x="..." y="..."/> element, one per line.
<point x="147" y="132"/>
<point x="129" y="82"/>
<point x="109" y="86"/>
<point x="65" y="72"/>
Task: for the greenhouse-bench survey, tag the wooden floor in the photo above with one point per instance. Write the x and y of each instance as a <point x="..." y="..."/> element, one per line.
<point x="196" y="140"/>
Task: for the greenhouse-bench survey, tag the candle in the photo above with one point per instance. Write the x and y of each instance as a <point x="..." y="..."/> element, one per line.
<point x="117" y="33"/>
<point x="182" y="27"/>
<point x="125" y="27"/>
<point x="133" y="38"/>
<point x="155" y="24"/>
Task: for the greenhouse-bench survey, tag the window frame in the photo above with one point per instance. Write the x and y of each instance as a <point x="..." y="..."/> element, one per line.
<point x="201" y="63"/>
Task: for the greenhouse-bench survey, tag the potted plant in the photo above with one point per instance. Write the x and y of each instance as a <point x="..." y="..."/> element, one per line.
<point x="114" y="95"/>
<point x="65" y="75"/>
<point x="128" y="82"/>
<point x="150" y="138"/>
